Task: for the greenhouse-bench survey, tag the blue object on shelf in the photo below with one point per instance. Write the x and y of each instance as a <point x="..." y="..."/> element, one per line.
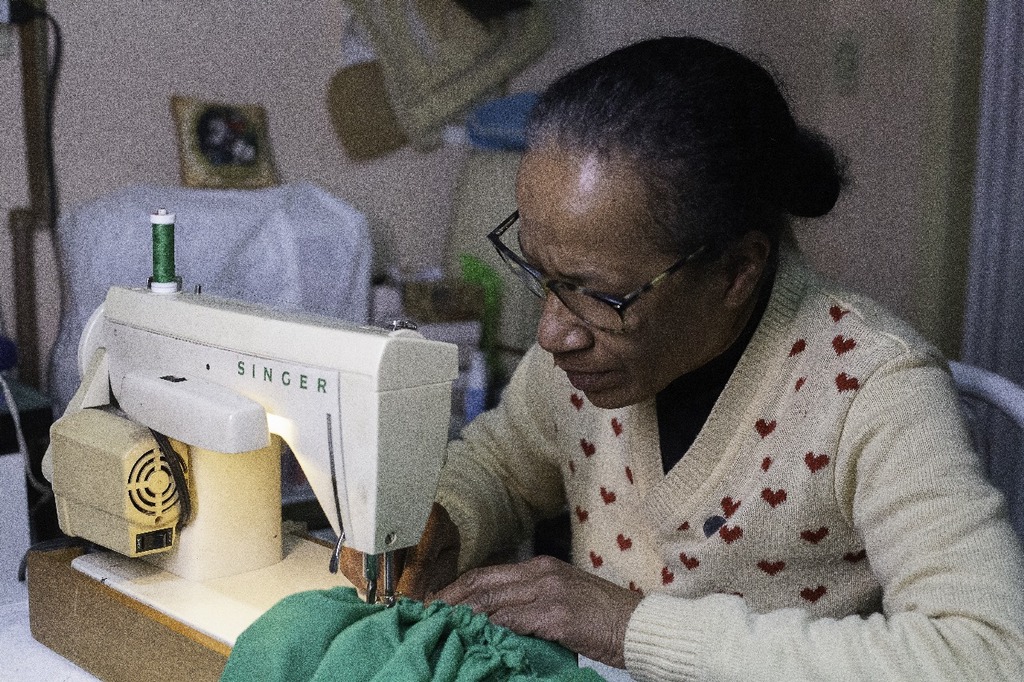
<point x="500" y="124"/>
<point x="8" y="354"/>
<point x="475" y="399"/>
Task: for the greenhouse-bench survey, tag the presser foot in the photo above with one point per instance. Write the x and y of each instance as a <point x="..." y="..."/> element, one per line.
<point x="370" y="572"/>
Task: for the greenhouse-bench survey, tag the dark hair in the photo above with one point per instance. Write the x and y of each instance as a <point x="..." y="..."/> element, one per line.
<point x="707" y="128"/>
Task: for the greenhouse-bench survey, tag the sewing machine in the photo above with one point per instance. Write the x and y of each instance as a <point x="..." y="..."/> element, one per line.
<point x="216" y="386"/>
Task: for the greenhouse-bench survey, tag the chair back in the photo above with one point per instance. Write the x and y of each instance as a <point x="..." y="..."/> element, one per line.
<point x="994" y="408"/>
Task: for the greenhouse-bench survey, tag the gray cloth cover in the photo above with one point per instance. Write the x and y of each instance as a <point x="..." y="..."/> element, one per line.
<point x="293" y="247"/>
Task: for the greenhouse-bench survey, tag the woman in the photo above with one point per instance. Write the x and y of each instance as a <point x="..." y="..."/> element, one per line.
<point x="767" y="475"/>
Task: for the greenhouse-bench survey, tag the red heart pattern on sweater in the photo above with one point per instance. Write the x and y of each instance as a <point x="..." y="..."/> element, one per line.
<point x="814" y="536"/>
<point x="632" y="586"/>
<point x="813" y="595"/>
<point x="845" y="382"/>
<point x="729" y="506"/>
<point x="773" y="497"/>
<point x="691" y="562"/>
<point x="771" y="567"/>
<point x="730" y="533"/>
<point x="842" y="344"/>
<point x="816" y="462"/>
<point x="854" y="557"/>
<point x="765" y="428"/>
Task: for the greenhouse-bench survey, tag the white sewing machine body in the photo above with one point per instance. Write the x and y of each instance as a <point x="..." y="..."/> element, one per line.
<point x="364" y="410"/>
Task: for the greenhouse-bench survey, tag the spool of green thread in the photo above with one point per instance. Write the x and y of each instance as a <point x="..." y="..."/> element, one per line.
<point x="164" y="279"/>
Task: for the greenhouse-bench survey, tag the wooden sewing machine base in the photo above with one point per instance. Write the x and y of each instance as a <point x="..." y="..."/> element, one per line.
<point x="124" y="620"/>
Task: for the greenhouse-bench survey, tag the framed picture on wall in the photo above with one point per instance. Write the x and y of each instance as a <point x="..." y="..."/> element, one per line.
<point x="222" y="146"/>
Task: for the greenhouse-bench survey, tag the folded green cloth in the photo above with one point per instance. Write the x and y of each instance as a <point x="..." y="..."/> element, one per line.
<point x="334" y="635"/>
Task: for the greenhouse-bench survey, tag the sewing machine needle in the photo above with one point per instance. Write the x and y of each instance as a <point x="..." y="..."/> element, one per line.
<point x="389" y="578"/>
<point x="370" y="571"/>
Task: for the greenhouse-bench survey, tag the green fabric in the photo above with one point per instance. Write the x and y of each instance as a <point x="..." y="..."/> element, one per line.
<point x="334" y="635"/>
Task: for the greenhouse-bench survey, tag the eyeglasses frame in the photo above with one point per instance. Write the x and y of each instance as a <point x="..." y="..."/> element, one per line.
<point x="618" y="303"/>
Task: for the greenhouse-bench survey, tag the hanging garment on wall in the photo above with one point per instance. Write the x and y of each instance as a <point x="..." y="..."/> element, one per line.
<point x="360" y="112"/>
<point x="333" y="635"/>
<point x="485" y="10"/>
<point x="437" y="60"/>
<point x="357" y="100"/>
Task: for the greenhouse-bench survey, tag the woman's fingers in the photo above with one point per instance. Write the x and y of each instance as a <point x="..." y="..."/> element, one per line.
<point x="548" y="598"/>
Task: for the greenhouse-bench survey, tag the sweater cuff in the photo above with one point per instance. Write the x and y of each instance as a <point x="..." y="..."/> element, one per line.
<point x="472" y="551"/>
<point x="672" y="638"/>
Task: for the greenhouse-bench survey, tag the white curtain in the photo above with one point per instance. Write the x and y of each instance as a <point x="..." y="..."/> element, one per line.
<point x="994" y="316"/>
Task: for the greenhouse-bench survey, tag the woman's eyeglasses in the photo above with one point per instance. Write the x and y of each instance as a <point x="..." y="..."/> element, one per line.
<point x="597" y="309"/>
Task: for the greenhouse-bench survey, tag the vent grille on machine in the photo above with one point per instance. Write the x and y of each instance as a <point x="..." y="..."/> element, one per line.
<point x="151" y="486"/>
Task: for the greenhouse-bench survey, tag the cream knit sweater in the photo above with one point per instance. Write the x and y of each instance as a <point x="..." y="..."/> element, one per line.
<point x="831" y="520"/>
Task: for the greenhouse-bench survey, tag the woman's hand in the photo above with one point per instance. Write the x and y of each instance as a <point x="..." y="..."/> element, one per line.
<point x="548" y="598"/>
<point x="424" y="568"/>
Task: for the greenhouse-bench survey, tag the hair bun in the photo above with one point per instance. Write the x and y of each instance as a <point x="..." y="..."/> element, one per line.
<point x="814" y="178"/>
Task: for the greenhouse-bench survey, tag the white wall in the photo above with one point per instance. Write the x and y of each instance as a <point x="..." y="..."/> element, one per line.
<point x="124" y="58"/>
<point x="875" y="114"/>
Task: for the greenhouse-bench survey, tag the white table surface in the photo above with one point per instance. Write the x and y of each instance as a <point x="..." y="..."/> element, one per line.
<point x="23" y="659"/>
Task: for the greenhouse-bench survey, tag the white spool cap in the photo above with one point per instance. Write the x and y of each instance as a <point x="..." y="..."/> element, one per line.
<point x="161" y="217"/>
<point x="164" y="287"/>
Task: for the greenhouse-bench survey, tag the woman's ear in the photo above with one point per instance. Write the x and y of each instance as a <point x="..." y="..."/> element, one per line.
<point x="745" y="264"/>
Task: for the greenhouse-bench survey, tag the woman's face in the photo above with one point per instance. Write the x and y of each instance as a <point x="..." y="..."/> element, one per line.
<point x="586" y="221"/>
